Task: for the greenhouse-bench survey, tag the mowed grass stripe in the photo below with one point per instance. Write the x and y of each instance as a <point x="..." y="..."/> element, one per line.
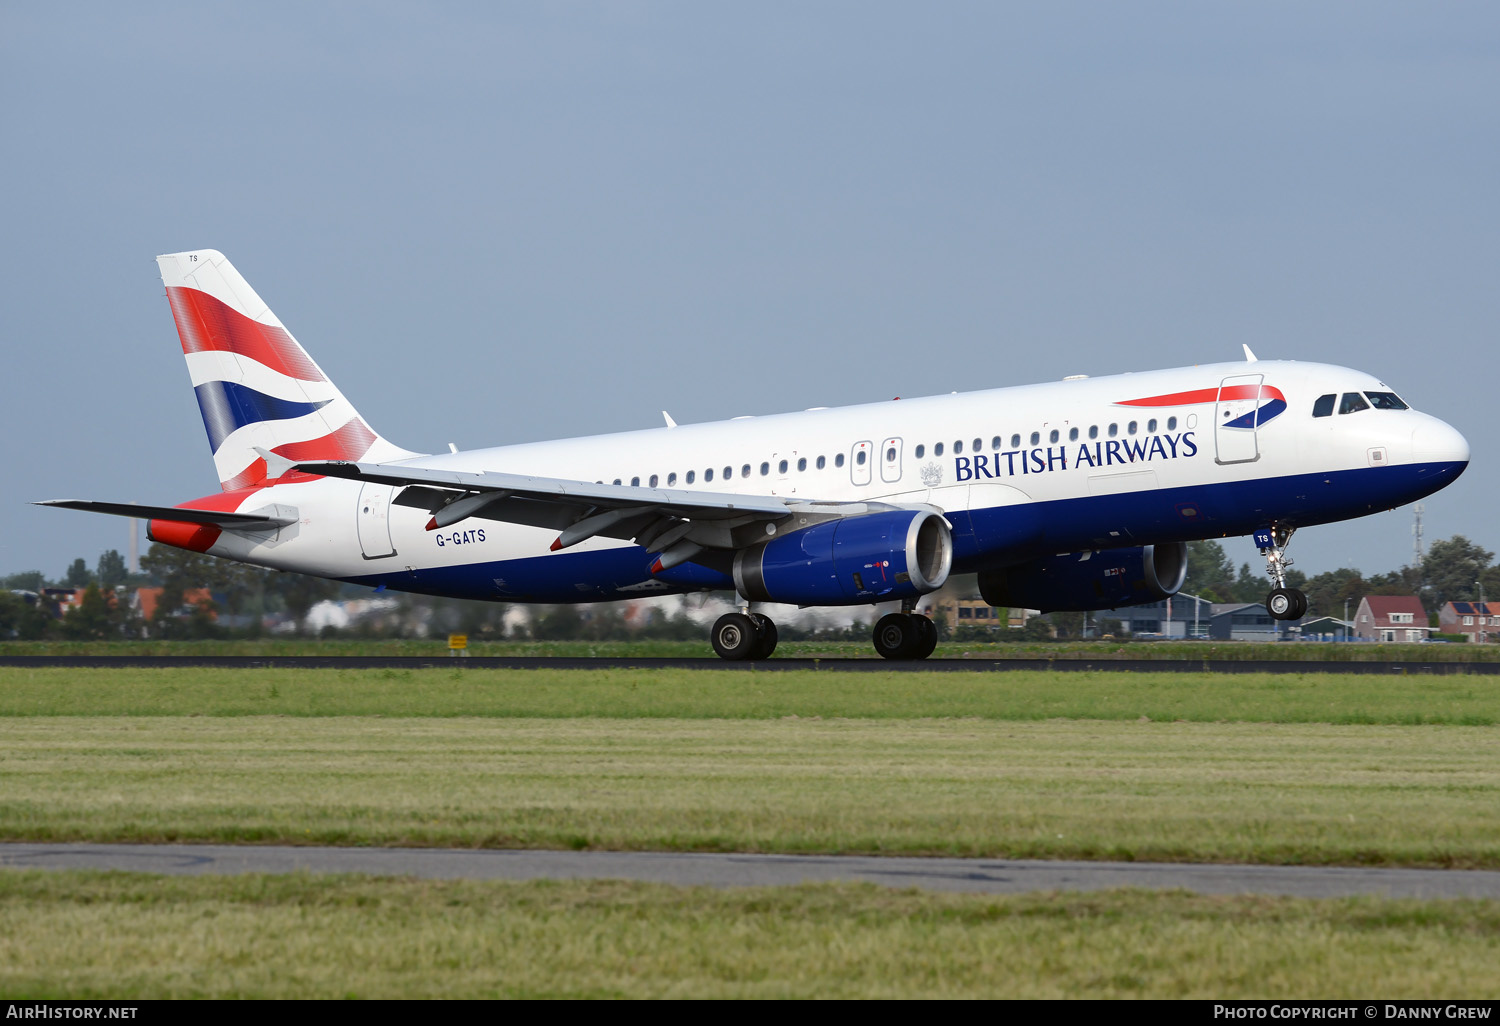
<point x="1233" y="792"/>
<point x="685" y="694"/>
<point x="299" y="936"/>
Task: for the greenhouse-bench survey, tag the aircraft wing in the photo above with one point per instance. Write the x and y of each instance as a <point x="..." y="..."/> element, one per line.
<point x="677" y="523"/>
<point x="281" y="516"/>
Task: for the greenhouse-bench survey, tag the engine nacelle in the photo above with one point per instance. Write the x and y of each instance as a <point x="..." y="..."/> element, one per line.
<point x="852" y="560"/>
<point x="1104" y="579"/>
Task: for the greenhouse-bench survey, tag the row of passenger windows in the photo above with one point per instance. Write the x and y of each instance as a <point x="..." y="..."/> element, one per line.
<point x="1353" y="402"/>
<point x="1053" y="436"/>
<point x="783" y="467"/>
<point x="860" y="456"/>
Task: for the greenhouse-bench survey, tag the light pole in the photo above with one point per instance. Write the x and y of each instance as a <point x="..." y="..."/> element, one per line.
<point x="1346" y="619"/>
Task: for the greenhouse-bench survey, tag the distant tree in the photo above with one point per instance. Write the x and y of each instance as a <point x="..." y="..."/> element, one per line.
<point x="26" y="580"/>
<point x="1067" y="624"/>
<point x="1451" y="571"/>
<point x="112" y="571"/>
<point x="299" y="593"/>
<point x="1249" y="587"/>
<point x="22" y="619"/>
<point x="558" y="623"/>
<point x="91" y="619"/>
<point x="78" y="575"/>
<point x="1326" y="592"/>
<point x="1210" y="572"/>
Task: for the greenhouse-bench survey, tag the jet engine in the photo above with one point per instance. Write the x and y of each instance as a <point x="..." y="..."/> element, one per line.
<point x="1103" y="579"/>
<point x="872" y="557"/>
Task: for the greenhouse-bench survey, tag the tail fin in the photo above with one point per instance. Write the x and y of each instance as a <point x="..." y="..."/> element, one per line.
<point x="257" y="388"/>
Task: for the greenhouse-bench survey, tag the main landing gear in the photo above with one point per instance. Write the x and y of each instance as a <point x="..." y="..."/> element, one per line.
<point x="905" y="635"/>
<point x="744" y="636"/>
<point x="1282" y="603"/>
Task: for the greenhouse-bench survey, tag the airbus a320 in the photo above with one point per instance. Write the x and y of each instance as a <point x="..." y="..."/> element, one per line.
<point x="1073" y="495"/>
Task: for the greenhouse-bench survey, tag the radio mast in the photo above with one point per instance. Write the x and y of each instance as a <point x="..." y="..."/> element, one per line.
<point x="1416" y="534"/>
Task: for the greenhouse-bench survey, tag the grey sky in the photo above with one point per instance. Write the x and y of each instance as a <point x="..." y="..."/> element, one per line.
<point x="506" y="222"/>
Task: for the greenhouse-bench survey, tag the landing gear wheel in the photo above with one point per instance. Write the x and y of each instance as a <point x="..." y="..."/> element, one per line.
<point x="927" y="637"/>
<point x="897" y="636"/>
<point x="766" y="636"/>
<point x="735" y="636"/>
<point x="1286" y="604"/>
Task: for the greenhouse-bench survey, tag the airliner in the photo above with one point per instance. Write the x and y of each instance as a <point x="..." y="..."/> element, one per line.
<point x="1078" y="494"/>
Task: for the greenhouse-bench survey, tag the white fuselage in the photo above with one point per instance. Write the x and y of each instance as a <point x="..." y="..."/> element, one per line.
<point x="1129" y="459"/>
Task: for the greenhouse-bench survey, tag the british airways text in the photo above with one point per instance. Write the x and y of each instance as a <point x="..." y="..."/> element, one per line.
<point x="1017" y="462"/>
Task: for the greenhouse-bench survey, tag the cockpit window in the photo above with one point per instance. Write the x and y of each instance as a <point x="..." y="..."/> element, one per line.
<point x="1324" y="406"/>
<point x="1386" y="401"/>
<point x="1353" y="402"/>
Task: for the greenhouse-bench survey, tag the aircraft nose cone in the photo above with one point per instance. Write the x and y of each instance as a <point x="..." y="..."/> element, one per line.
<point x="1436" y="442"/>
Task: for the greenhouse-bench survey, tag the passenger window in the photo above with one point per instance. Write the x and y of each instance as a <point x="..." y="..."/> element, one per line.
<point x="820" y="463"/>
<point x="635" y="482"/>
<point x="995" y="442"/>
<point x="1114" y="429"/>
<point x="1131" y="428"/>
<point x="765" y="468"/>
<point x="708" y="475"/>
<point x="1015" y="441"/>
<point x="1093" y="430"/>
<point x="1036" y="438"/>
<point x="802" y="464"/>
<point x="1053" y="436"/>
<point x="617" y="480"/>
<point x="691" y="477"/>
<point x="919" y="451"/>
<point x="728" y="473"/>
<point x="1353" y="402"/>
<point x="838" y="461"/>
<point x="937" y="450"/>
<point x="653" y="480"/>
<point x="1324" y="406"/>
<point x="671" y="479"/>
<point x="745" y="470"/>
<point x="859" y="457"/>
<point x="1072" y="434"/>
<point x="890" y="455"/>
<point x="1171" y="423"/>
<point x="958" y="447"/>
<point x="781" y="467"/>
<point x="1151" y="426"/>
<point x="978" y="444"/>
<point x="1386" y="401"/>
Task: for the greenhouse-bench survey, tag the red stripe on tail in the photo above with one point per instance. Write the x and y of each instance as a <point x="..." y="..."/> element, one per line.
<point x="204" y="324"/>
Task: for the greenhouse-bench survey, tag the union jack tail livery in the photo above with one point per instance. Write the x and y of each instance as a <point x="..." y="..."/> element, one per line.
<point x="258" y="390"/>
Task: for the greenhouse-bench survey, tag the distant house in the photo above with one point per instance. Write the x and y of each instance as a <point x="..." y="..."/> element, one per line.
<point x="146" y="600"/>
<point x="1480" y="621"/>
<point x="1326" y="628"/>
<point x="1391" y="618"/>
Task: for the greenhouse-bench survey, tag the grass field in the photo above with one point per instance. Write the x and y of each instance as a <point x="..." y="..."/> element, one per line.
<point x="1292" y="768"/>
<point x="90" y="935"/>
<point x="1300" y="768"/>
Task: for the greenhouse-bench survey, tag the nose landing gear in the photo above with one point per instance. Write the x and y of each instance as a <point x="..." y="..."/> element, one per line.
<point x="1282" y="603"/>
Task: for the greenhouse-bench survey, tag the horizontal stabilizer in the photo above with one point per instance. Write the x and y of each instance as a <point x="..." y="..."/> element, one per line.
<point x="175" y="513"/>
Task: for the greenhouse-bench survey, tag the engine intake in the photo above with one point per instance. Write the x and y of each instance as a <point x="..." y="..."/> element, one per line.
<point x="1106" y="579"/>
<point x="852" y="560"/>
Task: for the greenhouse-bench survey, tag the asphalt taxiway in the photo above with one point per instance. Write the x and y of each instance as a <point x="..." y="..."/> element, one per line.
<point x="986" y="876"/>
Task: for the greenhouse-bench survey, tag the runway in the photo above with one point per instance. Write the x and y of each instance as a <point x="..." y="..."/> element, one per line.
<point x="1396" y="667"/>
<point x="982" y="876"/>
